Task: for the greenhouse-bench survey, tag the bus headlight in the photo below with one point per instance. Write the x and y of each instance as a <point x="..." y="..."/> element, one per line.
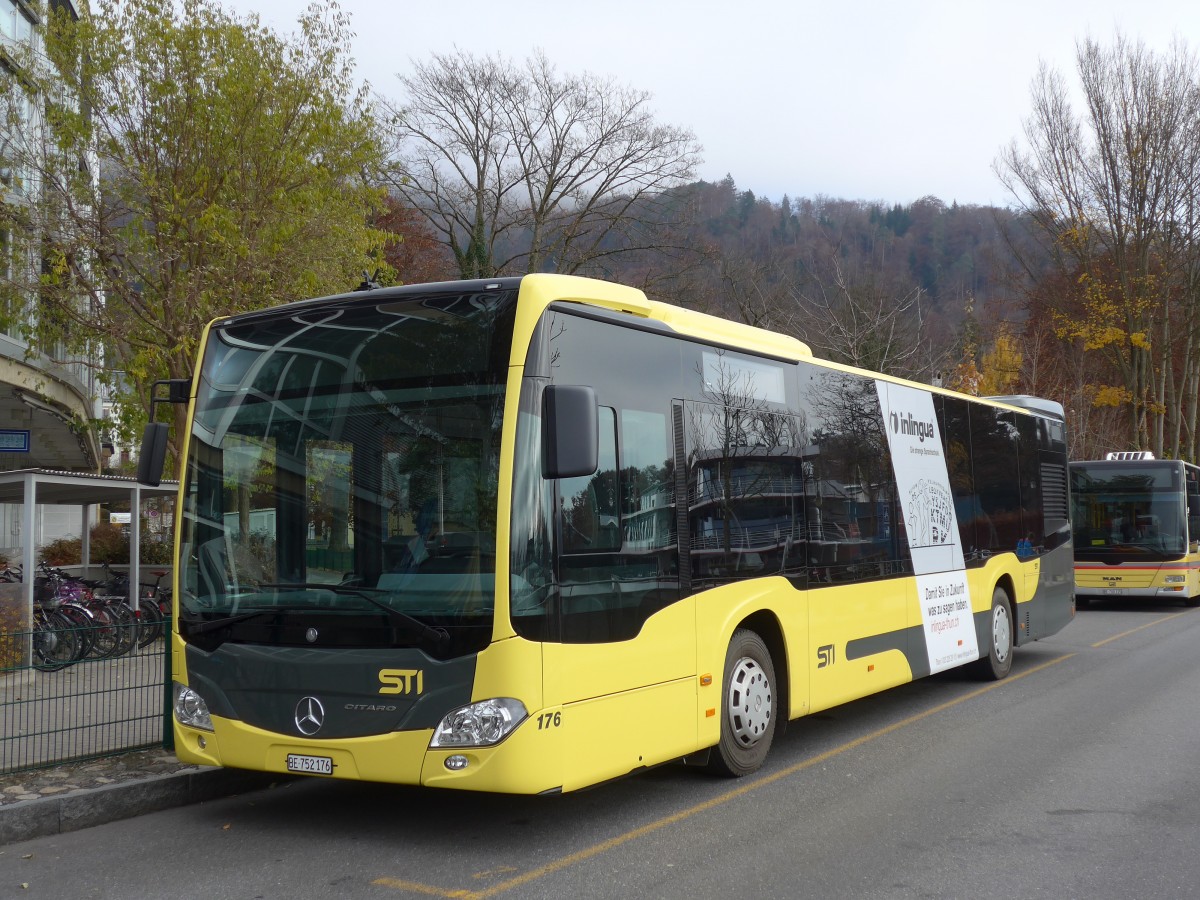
<point x="480" y="724"/>
<point x="1175" y="579"/>
<point x="190" y="708"/>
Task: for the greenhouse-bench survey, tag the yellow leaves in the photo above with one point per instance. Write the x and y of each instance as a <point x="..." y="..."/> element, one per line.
<point x="1111" y="395"/>
<point x="1099" y="337"/>
<point x="965" y="378"/>
<point x="1001" y="366"/>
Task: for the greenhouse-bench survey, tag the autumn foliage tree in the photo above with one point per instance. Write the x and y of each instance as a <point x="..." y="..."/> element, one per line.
<point x="230" y="162"/>
<point x="413" y="252"/>
<point x="1113" y="190"/>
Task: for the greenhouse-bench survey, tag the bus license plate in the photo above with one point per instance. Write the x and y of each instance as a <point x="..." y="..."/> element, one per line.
<point x="310" y="765"/>
<point x="1114" y="590"/>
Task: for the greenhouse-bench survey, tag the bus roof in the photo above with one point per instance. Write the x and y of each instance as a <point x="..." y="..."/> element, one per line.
<point x="539" y="290"/>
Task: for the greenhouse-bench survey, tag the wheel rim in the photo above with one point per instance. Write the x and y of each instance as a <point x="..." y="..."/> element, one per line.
<point x="1001" y="632"/>
<point x="750" y="702"/>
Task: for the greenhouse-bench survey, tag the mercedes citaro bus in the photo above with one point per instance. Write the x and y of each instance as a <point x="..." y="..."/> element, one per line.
<point x="529" y="534"/>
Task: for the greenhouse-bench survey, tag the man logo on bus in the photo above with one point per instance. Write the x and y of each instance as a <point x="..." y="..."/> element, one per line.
<point x="930" y="514"/>
<point x="907" y="424"/>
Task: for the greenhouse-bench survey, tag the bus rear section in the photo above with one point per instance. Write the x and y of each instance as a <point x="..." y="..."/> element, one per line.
<point x="1136" y="522"/>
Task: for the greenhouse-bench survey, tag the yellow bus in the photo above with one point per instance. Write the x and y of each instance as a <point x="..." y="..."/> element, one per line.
<point x="1136" y="526"/>
<point x="530" y="534"/>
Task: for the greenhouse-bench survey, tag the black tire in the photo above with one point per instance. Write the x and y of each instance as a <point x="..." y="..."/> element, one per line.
<point x="106" y="633"/>
<point x="84" y="626"/>
<point x="996" y="662"/>
<point x="127" y="628"/>
<point x="748" y="713"/>
<point x="55" y="642"/>
<point x="150" y="623"/>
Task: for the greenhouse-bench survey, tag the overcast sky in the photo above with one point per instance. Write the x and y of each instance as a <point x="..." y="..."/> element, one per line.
<point x="873" y="100"/>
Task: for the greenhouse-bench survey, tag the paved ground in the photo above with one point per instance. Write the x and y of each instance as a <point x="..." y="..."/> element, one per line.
<point x="80" y="795"/>
<point x="93" y="707"/>
<point x="98" y="773"/>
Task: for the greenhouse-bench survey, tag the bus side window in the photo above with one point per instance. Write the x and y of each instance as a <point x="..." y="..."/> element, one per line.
<point x="588" y="503"/>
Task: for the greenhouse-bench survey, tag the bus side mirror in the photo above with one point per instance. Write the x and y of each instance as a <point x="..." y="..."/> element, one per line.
<point x="571" y="426"/>
<point x="154" y="438"/>
<point x="153" y="454"/>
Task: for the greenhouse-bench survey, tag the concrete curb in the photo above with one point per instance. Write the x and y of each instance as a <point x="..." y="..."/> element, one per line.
<point x="63" y="813"/>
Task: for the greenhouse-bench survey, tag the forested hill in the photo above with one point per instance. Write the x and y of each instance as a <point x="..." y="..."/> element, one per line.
<point x="785" y="264"/>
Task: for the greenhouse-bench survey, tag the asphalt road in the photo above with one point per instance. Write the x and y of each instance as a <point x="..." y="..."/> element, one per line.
<point x="1079" y="776"/>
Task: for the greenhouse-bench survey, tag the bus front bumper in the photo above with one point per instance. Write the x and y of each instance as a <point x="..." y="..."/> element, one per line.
<point x="523" y="763"/>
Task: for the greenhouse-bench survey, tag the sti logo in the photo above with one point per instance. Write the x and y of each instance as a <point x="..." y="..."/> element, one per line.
<point x="402" y="681"/>
<point x="907" y="424"/>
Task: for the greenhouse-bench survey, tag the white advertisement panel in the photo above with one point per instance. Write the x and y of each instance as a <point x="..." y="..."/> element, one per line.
<point x="923" y="482"/>
<point x="946" y="613"/>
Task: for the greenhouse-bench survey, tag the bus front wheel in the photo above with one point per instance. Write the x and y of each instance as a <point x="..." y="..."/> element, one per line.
<point x="747" y="707"/>
<point x="995" y="662"/>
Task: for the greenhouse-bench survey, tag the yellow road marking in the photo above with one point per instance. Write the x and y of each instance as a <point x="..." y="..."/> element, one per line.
<point x="428" y="890"/>
<point x="614" y="842"/>
<point x="1140" y="627"/>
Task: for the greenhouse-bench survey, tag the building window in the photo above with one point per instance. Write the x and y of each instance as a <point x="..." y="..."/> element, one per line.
<point x="16" y="20"/>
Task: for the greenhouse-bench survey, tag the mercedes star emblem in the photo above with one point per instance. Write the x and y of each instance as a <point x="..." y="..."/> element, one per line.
<point x="310" y="716"/>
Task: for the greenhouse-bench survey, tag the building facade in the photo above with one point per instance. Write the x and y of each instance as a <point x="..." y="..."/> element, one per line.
<point x="49" y="399"/>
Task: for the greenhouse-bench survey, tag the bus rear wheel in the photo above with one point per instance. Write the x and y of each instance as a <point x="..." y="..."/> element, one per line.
<point x="747" y="707"/>
<point x="996" y="663"/>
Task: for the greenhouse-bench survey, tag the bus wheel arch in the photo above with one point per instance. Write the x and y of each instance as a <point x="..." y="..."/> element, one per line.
<point x="767" y="627"/>
<point x="995" y="656"/>
<point x="751" y="703"/>
<point x="1005" y="583"/>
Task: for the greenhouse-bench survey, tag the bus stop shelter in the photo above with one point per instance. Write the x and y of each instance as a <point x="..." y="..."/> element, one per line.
<point x="32" y="488"/>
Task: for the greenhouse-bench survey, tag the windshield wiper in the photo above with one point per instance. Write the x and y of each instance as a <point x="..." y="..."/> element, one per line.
<point x="199" y="626"/>
<point x="437" y="638"/>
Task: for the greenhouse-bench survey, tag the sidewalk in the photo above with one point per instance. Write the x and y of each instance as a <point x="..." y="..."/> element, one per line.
<point x="70" y="797"/>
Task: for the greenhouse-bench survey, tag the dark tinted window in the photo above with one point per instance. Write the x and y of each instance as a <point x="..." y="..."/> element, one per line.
<point x="1128" y="511"/>
<point x="853" y="524"/>
<point x="589" y="503"/>
<point x="1032" y="483"/>
<point x="610" y="560"/>
<point x="975" y="527"/>
<point x="745" y="493"/>
<point x="343" y="463"/>
<point x="995" y="443"/>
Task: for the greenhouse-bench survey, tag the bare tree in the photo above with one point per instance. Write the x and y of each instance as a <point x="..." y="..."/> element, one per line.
<point x="861" y="323"/>
<point x="757" y="288"/>
<point x="520" y="169"/>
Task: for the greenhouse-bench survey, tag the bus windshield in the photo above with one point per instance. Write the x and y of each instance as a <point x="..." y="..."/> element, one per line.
<point x="1127" y="513"/>
<point x="341" y="474"/>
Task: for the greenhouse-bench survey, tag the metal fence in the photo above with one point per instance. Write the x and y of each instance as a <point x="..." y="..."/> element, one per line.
<point x="53" y="712"/>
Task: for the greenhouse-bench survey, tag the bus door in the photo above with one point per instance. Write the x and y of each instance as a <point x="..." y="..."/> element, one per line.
<point x="623" y="664"/>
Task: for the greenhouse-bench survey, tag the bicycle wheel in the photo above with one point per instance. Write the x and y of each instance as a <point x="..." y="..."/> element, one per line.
<point x="105" y="632"/>
<point x="82" y="624"/>
<point x="150" y="622"/>
<point x="55" y="642"/>
<point x="119" y="631"/>
<point x="127" y="627"/>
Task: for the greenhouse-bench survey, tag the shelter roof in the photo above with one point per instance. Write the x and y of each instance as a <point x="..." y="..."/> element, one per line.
<point x="76" y="488"/>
